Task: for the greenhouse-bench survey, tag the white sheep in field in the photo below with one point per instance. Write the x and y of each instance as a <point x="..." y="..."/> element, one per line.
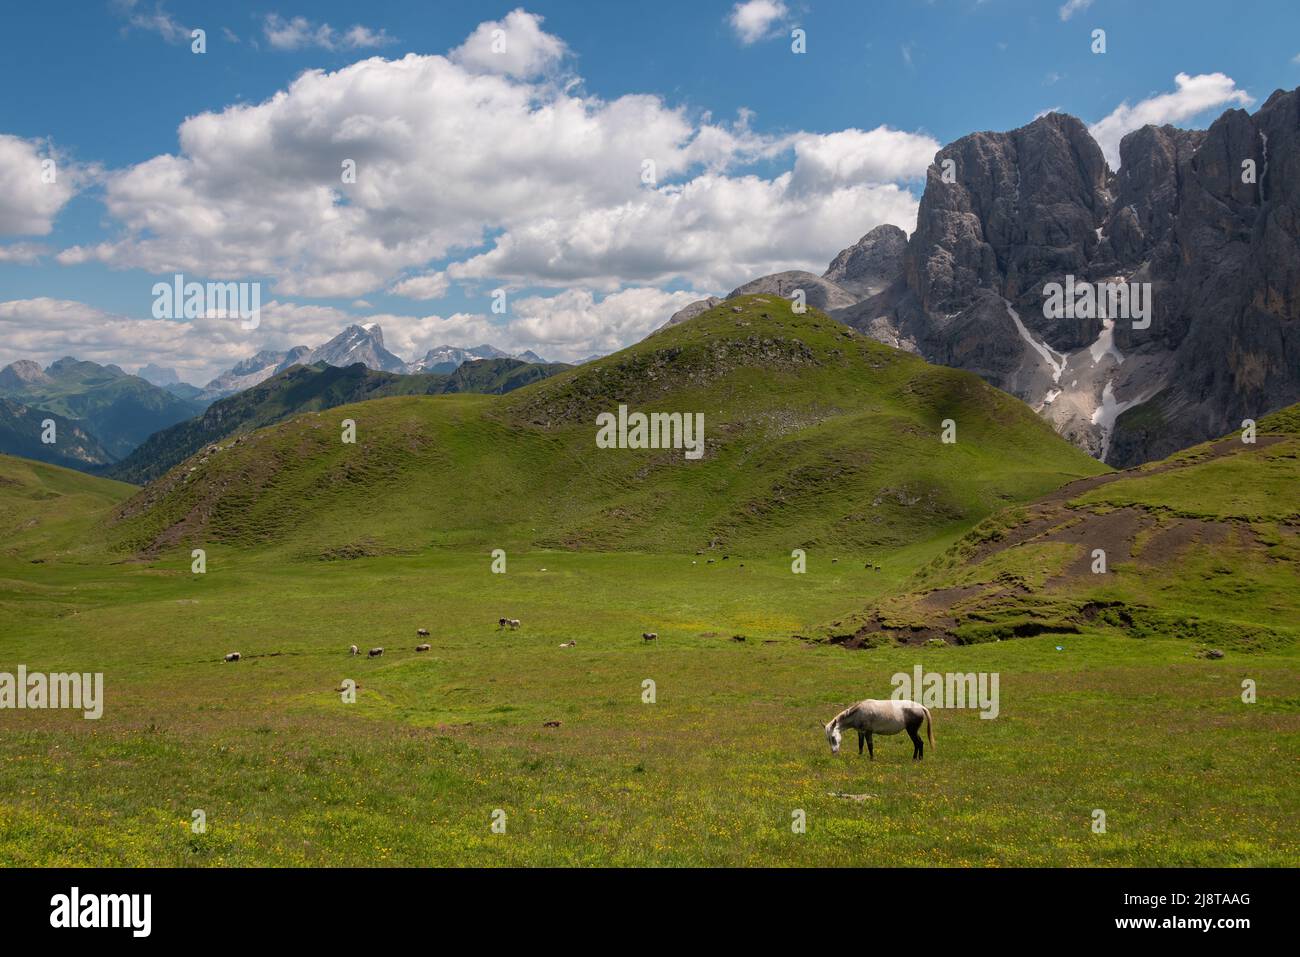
<point x="233" y="656"/>
<point x="352" y="650"/>
<point x="422" y="647"/>
<point x="422" y="632"/>
<point x="503" y="622"/>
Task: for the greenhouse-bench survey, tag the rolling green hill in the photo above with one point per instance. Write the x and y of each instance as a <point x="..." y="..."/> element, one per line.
<point x="814" y="435"/>
<point x="1204" y="546"/>
<point x="311" y="388"/>
<point x="51" y="509"/>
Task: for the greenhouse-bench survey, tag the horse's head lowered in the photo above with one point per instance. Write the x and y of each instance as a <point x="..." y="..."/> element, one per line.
<point x="833" y="736"/>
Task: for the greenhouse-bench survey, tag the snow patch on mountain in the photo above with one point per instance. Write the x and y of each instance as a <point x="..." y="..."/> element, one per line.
<point x="1054" y="359"/>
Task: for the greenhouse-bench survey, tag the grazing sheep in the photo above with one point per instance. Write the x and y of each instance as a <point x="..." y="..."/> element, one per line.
<point x="233" y="656"/>
<point x="422" y="647"/>
<point x="374" y="652"/>
<point x="649" y="636"/>
<point x="422" y="632"/>
<point x="569" y="644"/>
<point x="501" y="623"/>
<point x="513" y="623"/>
<point x="550" y="724"/>
<point x="352" y="650"/>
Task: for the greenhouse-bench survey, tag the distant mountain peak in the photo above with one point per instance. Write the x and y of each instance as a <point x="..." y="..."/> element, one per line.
<point x="447" y="358"/>
<point x="24" y="372"/>
<point x="357" y="343"/>
<point x="870" y="264"/>
<point x="158" y="375"/>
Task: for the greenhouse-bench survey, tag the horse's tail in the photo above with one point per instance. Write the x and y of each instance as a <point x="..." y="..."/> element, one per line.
<point x="929" y="733"/>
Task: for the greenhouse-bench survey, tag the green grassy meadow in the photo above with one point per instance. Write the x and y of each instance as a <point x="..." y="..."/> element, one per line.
<point x="709" y="774"/>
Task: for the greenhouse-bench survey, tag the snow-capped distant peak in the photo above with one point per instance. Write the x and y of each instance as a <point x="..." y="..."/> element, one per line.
<point x="446" y="358"/>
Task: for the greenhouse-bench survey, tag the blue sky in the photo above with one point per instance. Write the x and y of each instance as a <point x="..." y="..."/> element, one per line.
<point x="754" y="171"/>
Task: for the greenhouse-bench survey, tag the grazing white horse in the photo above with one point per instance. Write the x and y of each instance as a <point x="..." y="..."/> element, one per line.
<point x="881" y="717"/>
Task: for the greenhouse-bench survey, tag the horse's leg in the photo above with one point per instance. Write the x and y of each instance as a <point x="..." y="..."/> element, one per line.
<point x="918" y="746"/>
<point x="861" y="737"/>
<point x="870" y="748"/>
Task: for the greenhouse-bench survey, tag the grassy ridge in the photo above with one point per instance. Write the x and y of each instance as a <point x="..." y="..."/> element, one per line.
<point x="814" y="435"/>
<point x="300" y="389"/>
<point x="49" y="512"/>
<point x="1204" y="546"/>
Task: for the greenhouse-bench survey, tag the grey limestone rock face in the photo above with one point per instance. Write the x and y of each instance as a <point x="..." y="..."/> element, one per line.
<point x="871" y="264"/>
<point x="1035" y="205"/>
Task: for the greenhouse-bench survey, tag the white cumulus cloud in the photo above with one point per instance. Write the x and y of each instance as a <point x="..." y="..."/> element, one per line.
<point x="516" y="46"/>
<point x="1071" y="7"/>
<point x="567" y="326"/>
<point x="1193" y="96"/>
<point x="512" y="179"/>
<point x="32" y="193"/>
<point x="575" y="324"/>
<point x="756" y="20"/>
<point x="481" y="168"/>
<point x="152" y="18"/>
<point x="297" y="33"/>
<point x="429" y="286"/>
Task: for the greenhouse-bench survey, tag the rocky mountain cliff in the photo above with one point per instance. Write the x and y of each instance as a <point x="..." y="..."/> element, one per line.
<point x="1196" y="237"/>
<point x="871" y="264"/>
<point x="253" y="371"/>
<point x="356" y="343"/>
<point x="1219" y="247"/>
